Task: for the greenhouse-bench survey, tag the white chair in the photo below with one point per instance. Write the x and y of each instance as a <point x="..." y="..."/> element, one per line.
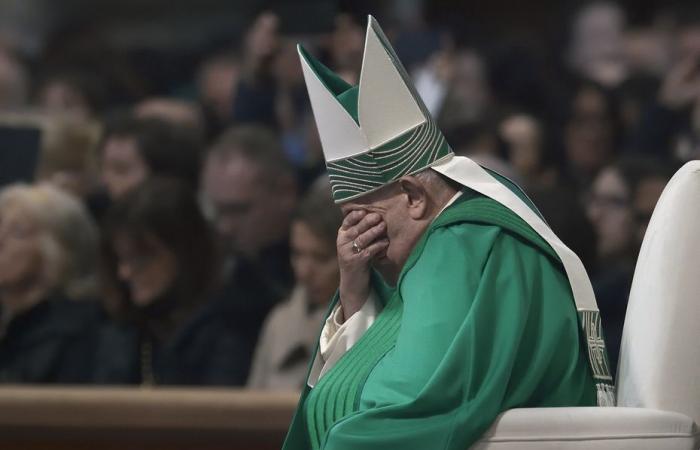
<point x="658" y="387"/>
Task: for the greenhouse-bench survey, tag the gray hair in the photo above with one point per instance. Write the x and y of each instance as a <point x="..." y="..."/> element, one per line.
<point x="70" y="240"/>
<point x="428" y="176"/>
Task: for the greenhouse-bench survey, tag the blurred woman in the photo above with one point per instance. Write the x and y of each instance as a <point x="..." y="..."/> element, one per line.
<point x="290" y="333"/>
<point x="48" y="249"/>
<point x="591" y="132"/>
<point x="159" y="269"/>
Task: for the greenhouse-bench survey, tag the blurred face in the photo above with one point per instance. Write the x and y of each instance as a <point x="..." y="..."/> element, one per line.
<point x="249" y="215"/>
<point x="588" y="134"/>
<point x="20" y="248"/>
<point x="315" y="263"/>
<point x="217" y="86"/>
<point x="610" y="210"/>
<point x="58" y="97"/>
<point x="468" y="95"/>
<point x="522" y="134"/>
<point x="149" y="268"/>
<point x="123" y="168"/>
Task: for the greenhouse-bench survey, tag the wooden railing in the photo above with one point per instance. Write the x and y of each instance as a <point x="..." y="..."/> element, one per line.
<point x="79" y="418"/>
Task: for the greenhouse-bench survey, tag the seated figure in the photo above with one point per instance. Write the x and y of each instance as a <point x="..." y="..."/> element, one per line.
<point x="288" y="337"/>
<point x="48" y="319"/>
<point x="160" y="276"/>
<point x="456" y="301"/>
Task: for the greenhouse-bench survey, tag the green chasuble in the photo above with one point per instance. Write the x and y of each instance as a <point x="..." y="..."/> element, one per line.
<point x="482" y="320"/>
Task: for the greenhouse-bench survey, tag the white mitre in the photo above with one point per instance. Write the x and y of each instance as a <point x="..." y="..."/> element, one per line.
<point x="376" y="132"/>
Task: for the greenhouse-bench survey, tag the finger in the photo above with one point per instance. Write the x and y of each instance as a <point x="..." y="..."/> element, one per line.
<point x="352" y="218"/>
<point x="374" y="249"/>
<point x="371" y="235"/>
<point x="369" y="221"/>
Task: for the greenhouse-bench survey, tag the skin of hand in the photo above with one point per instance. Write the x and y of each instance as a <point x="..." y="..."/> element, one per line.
<point x="368" y="230"/>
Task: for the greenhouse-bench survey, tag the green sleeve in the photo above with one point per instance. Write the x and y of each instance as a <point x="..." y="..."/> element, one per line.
<point x="488" y="324"/>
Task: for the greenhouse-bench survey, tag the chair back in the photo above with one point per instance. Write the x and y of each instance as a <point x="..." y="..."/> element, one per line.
<point x="660" y="354"/>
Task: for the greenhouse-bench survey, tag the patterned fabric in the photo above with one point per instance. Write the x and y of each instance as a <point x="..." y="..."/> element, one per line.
<point x="598" y="357"/>
<point x="408" y="154"/>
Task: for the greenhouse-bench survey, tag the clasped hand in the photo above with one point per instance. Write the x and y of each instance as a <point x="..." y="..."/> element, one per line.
<point x="361" y="238"/>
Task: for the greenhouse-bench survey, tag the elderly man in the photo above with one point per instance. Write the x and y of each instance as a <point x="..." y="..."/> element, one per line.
<point x="251" y="192"/>
<point x="456" y="301"/>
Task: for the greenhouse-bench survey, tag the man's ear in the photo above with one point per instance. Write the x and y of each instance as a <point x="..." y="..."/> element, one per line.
<point x="416" y="197"/>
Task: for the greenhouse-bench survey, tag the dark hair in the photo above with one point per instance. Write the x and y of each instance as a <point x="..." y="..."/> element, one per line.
<point x="167" y="150"/>
<point x="566" y="216"/>
<point x="635" y="169"/>
<point x="611" y="103"/>
<point x="167" y="210"/>
<point x="258" y="144"/>
<point x="318" y="211"/>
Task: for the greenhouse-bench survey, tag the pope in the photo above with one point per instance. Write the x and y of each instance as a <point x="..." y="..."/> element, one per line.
<point x="456" y="301"/>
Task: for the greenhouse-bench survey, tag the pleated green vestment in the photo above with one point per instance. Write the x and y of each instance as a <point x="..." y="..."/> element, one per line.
<point x="482" y="320"/>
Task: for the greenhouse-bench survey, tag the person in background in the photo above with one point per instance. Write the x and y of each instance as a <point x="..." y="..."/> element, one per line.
<point x="619" y="206"/>
<point x="250" y="191"/>
<point x="159" y="270"/>
<point x="71" y="93"/>
<point x="566" y="216"/>
<point x="255" y="100"/>
<point x="467" y="95"/>
<point x="48" y="249"/>
<point x="591" y="132"/>
<point x="134" y="149"/>
<point x="596" y="47"/>
<point x="288" y="337"/>
<point x="14" y="81"/>
<point x="179" y="113"/>
<point x="217" y="80"/>
<point x="68" y="155"/>
<point x="527" y="148"/>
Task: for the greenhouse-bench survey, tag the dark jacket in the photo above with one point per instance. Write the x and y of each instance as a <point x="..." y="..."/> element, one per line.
<point x="251" y="289"/>
<point x="53" y="342"/>
<point x="203" y="350"/>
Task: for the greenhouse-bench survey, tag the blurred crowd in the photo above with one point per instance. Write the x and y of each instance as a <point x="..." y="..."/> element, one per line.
<point x="187" y="236"/>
